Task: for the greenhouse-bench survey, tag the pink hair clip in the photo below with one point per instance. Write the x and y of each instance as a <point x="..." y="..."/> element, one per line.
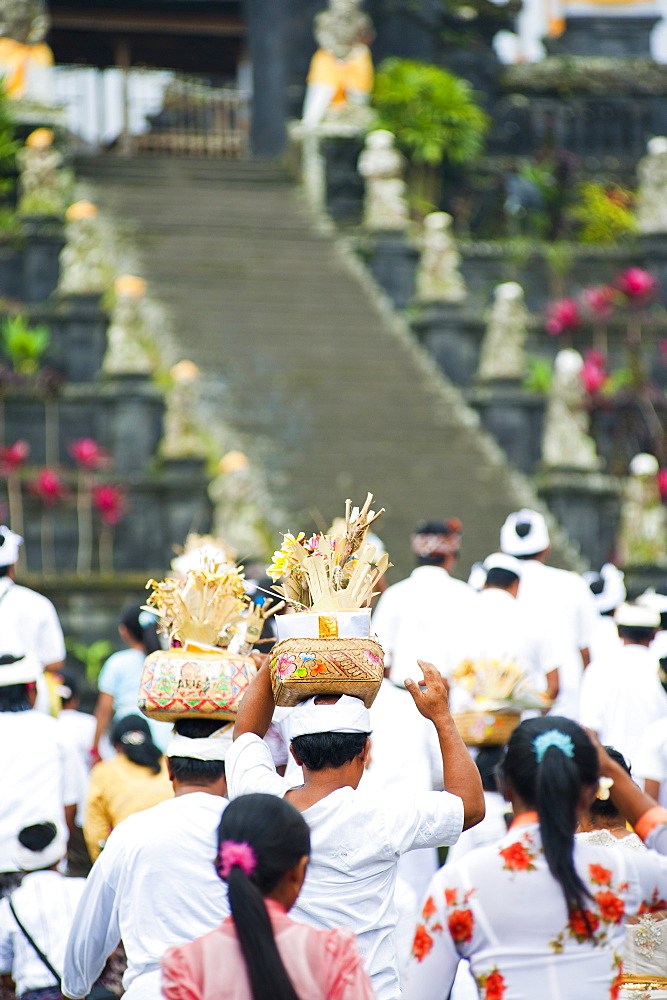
<point x="232" y="853"/>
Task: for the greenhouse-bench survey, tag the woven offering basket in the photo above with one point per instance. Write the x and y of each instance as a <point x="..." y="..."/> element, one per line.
<point x="301" y="668"/>
<point x="481" y="729"/>
<point x="176" y="684"/>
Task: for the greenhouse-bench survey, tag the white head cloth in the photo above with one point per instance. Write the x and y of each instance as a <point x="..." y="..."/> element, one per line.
<point x="535" y="540"/>
<point x="500" y="560"/>
<point x="10" y="544"/>
<point x="213" y="747"/>
<point x="25" y="670"/>
<point x="613" y="590"/>
<point x="650" y="599"/>
<point x="635" y="616"/>
<point x="31" y="861"/>
<point x="347" y="715"/>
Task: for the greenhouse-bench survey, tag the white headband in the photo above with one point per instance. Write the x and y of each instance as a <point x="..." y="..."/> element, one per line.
<point x="347" y="715"/>
<point x="213" y="747"/>
<point x="500" y="560"/>
<point x="25" y="670"/>
<point x="31" y="861"/>
<point x="10" y="544"/>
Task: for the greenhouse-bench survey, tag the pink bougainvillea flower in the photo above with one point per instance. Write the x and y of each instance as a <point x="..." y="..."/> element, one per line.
<point x="12" y="457"/>
<point x="637" y="284"/>
<point x="109" y="503"/>
<point x="593" y="374"/>
<point x="662" y="483"/>
<point x="599" y="301"/>
<point x="48" y="487"/>
<point x="88" y="454"/>
<point x="562" y="315"/>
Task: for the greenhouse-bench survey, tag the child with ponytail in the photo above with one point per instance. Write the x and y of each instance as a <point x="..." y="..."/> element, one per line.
<point x="538" y="914"/>
<point x="259" y="953"/>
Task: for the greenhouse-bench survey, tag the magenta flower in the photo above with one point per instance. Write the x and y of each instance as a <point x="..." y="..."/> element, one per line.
<point x="637" y="284"/>
<point x="109" y="503"/>
<point x="593" y="374"/>
<point x="562" y="315"/>
<point x="12" y="457"/>
<point x="599" y="301"/>
<point x="48" y="487"/>
<point x="88" y="454"/>
<point x="662" y="483"/>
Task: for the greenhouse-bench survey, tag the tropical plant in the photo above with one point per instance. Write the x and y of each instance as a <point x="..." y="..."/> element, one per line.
<point x="538" y="377"/>
<point x="9" y="146"/>
<point x="92" y="657"/>
<point x="434" y="116"/>
<point x="24" y="345"/>
<point x="603" y="211"/>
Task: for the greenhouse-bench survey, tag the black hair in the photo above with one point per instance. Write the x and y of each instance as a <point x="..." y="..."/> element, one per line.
<point x="38" y="836"/>
<point x="553" y="787"/>
<point x="487" y="761"/>
<point x="501" y="578"/>
<point x="187" y="769"/>
<point x="4" y="570"/>
<point x="605" y="808"/>
<point x="132" y="736"/>
<point x="14" y="698"/>
<point x="319" y="750"/>
<point x="279" y="838"/>
<point x="141" y="625"/>
<point x="636" y="633"/>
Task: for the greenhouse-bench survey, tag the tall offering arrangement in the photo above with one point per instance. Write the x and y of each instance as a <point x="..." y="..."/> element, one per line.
<point x="211" y="627"/>
<point x="328" y="580"/>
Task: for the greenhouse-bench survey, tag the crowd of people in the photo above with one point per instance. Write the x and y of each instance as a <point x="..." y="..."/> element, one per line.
<point x="343" y="852"/>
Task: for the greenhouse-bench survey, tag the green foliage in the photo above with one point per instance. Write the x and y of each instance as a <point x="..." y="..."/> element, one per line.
<point x="603" y="211"/>
<point x="621" y="378"/>
<point x="23" y="345"/>
<point x="538" y="377"/>
<point x="9" y="145"/>
<point x="92" y="657"/>
<point x="432" y="113"/>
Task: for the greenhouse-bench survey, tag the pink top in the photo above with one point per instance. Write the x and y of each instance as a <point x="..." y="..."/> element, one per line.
<point x="323" y="965"/>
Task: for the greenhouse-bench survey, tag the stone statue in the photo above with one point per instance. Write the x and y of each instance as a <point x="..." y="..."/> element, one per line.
<point x="183" y="434"/>
<point x="239" y="500"/>
<point x="381" y="165"/>
<point x="26" y="61"/>
<point x="438" y="276"/>
<point x="43" y="187"/>
<point x="503" y="353"/>
<point x="565" y="442"/>
<point x="652" y="192"/>
<point x="85" y="265"/>
<point x="642" y="538"/>
<point x="340" y="78"/>
<point x="128" y="339"/>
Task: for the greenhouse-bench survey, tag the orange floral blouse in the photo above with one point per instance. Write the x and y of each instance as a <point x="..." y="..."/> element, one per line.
<point x="500" y="908"/>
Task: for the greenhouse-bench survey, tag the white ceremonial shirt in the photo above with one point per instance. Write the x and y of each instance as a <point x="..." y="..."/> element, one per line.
<point x="499" y="627"/>
<point x="563" y="602"/>
<point x="154" y="885"/>
<point x="40" y="776"/>
<point x="415" y="618"/>
<point x="651" y="759"/>
<point x="501" y="908"/>
<point x="621" y="696"/>
<point x="45" y="903"/>
<point x="357" y="838"/>
<point x="29" y="623"/>
<point x="606" y="641"/>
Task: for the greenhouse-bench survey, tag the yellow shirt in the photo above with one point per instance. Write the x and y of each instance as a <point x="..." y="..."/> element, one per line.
<point x="117" y="789"/>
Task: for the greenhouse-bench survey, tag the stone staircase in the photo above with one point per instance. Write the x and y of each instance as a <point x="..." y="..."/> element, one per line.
<point x="304" y="355"/>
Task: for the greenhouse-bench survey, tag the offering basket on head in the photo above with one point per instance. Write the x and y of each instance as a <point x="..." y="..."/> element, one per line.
<point x="490" y="695"/>
<point x="194" y="684"/>
<point x="326" y="648"/>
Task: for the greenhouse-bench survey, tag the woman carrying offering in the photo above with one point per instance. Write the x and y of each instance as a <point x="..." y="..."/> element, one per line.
<point x="538" y="914"/>
<point x="259" y="953"/>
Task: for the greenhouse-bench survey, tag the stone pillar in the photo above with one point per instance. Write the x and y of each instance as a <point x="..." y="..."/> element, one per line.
<point x="392" y="260"/>
<point x="268" y="50"/>
<point x="452" y="338"/>
<point x="588" y="506"/>
<point x="514" y="418"/>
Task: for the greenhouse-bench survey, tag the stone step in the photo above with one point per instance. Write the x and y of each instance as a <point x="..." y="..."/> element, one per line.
<point x="334" y="403"/>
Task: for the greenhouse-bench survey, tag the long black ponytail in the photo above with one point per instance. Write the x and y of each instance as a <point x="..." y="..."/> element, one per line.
<point x="132" y="736"/>
<point x="548" y="761"/>
<point x="260" y="837"/>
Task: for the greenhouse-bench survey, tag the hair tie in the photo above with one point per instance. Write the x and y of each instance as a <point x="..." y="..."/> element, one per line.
<point x="233" y="853"/>
<point x="134" y="738"/>
<point x="553" y="738"/>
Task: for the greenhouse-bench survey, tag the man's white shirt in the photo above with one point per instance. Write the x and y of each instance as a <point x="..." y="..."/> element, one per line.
<point x="154" y="885"/>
